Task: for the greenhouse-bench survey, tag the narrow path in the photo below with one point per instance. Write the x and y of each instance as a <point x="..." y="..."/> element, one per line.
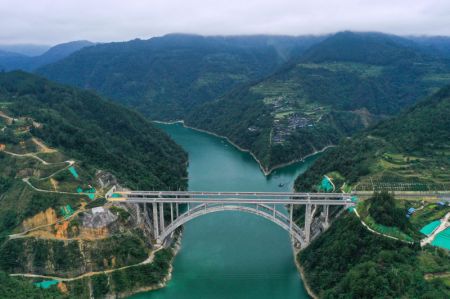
<point x="34" y="156"/>
<point x="2" y="114"/>
<point x="44" y="148"/>
<point x="88" y="274"/>
<point x="378" y="233"/>
<point x="429" y="276"/>
<point x="30" y="155"/>
<point x="27" y="181"/>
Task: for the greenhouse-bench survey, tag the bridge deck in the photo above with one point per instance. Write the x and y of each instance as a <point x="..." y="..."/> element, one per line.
<point x="231" y="197"/>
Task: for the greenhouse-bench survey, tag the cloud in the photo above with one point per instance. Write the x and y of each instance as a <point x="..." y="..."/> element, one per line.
<point x="53" y="21"/>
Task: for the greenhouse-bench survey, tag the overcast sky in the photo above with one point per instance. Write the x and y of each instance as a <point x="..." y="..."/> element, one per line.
<point x="56" y="21"/>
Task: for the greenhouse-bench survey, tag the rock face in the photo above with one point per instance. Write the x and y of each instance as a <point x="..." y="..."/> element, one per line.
<point x="105" y="179"/>
<point x="98" y="218"/>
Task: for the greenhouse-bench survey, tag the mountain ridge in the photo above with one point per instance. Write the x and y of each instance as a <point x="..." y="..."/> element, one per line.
<point x="306" y="105"/>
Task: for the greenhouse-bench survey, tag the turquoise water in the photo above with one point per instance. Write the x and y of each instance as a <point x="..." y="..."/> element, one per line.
<point x="231" y="255"/>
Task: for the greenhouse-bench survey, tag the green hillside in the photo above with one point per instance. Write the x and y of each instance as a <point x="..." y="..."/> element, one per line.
<point x="412" y="148"/>
<point x="164" y="77"/>
<point x="348" y="261"/>
<point x="339" y="86"/>
<point x="61" y="149"/>
<point x="101" y="134"/>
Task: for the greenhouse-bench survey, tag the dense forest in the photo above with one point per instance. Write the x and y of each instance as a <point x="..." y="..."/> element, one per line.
<point x="100" y="134"/>
<point x="348" y="261"/>
<point x="414" y="146"/>
<point x="339" y="86"/>
<point x="20" y="288"/>
<point x="164" y="77"/>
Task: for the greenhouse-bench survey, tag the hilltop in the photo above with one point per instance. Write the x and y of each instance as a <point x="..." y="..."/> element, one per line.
<point x="10" y="60"/>
<point x="166" y="77"/>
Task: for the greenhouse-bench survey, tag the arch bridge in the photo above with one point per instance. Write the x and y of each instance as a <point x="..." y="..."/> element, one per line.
<point x="197" y="203"/>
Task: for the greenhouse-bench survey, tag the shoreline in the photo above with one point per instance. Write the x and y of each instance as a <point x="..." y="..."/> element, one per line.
<point x="302" y="273"/>
<point x="266" y="173"/>
<point x="162" y="284"/>
<point x="263" y="169"/>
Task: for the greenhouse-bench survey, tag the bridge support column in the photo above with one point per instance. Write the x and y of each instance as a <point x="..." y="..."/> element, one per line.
<point x="155" y="221"/>
<point x="171" y="212"/>
<point x="308" y="223"/>
<point x="138" y="213"/>
<point x="161" y="216"/>
<point x="326" y="212"/>
<point x="176" y="207"/>
<point x="291" y="210"/>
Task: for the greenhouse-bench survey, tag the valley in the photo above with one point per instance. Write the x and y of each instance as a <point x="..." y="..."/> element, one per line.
<point x="360" y="114"/>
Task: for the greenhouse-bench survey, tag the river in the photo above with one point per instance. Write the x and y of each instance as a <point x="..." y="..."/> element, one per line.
<point x="231" y="255"/>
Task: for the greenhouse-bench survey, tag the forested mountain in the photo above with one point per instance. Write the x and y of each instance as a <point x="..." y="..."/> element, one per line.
<point x="348" y="261"/>
<point x="439" y="45"/>
<point x="61" y="150"/>
<point x="15" y="61"/>
<point x="413" y="147"/>
<point x="8" y="54"/>
<point x="25" y="49"/>
<point x="165" y="77"/>
<point x="99" y="133"/>
<point x="341" y="85"/>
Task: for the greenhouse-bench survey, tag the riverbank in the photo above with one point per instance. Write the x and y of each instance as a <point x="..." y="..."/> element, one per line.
<point x="266" y="171"/>
<point x="302" y="275"/>
<point x="163" y="283"/>
<point x="240" y="267"/>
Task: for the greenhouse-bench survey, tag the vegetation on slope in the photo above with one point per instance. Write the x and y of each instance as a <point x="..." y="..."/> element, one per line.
<point x="334" y="90"/>
<point x="101" y="134"/>
<point x="13" y="288"/>
<point x="348" y="261"/>
<point x="164" y="77"/>
<point x="413" y="147"/>
<point x="43" y="120"/>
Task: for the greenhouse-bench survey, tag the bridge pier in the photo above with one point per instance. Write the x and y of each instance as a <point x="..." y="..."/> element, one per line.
<point x="326" y="212"/>
<point x="138" y="213"/>
<point x="308" y="223"/>
<point x="155" y="221"/>
<point x="291" y="211"/>
<point x="161" y="216"/>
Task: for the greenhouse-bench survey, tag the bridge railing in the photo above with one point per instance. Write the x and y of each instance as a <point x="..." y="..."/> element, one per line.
<point x="231" y="197"/>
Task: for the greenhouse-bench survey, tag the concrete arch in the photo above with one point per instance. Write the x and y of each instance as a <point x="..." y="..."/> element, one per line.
<point x="265" y="211"/>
